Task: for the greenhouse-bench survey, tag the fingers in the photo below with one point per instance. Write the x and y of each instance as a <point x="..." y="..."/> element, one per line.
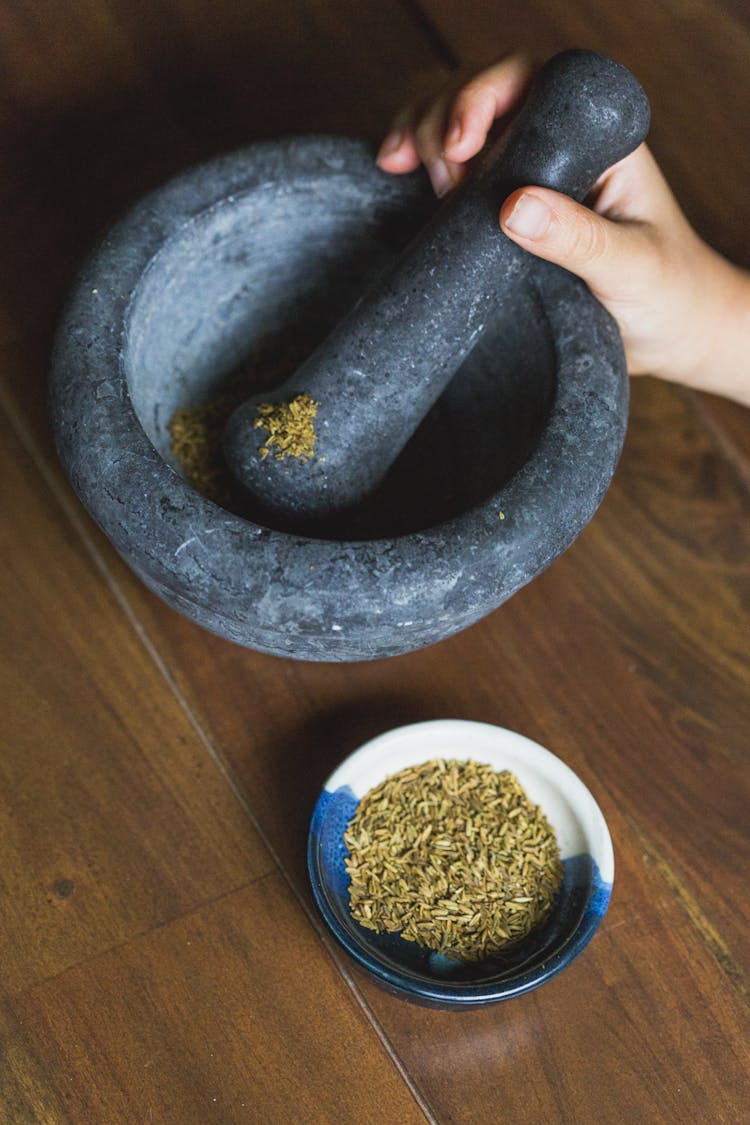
<point x="429" y="138"/>
<point x="612" y="257"/>
<point x="448" y="130"/>
<point x="489" y="95"/>
<point x="417" y="138"/>
<point x="398" y="152"/>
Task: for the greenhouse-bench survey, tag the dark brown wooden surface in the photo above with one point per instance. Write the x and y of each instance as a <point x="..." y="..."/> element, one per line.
<point x="161" y="959"/>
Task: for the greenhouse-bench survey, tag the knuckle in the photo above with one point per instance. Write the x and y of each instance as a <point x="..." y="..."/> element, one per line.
<point x="427" y="137"/>
<point x="424" y="145"/>
<point x="479" y="96"/>
<point x="587" y="240"/>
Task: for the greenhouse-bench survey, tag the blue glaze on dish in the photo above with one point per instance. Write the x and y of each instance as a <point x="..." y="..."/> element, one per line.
<point x="418" y="974"/>
<point x="332" y="814"/>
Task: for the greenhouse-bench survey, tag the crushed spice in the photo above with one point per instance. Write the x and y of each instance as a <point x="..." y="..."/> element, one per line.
<point x="454" y="856"/>
<point x="291" y="432"/>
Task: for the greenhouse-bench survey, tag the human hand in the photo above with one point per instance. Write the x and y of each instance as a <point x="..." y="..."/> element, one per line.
<point x="683" y="311"/>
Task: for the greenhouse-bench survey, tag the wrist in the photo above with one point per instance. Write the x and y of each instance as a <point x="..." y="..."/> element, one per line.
<point x="719" y="360"/>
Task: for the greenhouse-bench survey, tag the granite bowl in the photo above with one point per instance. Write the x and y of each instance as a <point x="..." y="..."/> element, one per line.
<point x="431" y="979"/>
<point x="256" y="256"/>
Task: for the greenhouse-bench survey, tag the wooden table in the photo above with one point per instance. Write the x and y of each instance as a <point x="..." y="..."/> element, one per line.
<point x="160" y="957"/>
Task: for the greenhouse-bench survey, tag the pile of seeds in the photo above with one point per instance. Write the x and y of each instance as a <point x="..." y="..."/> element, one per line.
<point x="453" y="856"/>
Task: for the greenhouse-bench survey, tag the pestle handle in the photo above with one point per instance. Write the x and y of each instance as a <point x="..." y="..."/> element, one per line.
<point x="385" y="364"/>
<point x="583" y="113"/>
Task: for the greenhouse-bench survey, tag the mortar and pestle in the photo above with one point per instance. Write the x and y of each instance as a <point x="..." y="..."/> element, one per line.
<point x="471" y="399"/>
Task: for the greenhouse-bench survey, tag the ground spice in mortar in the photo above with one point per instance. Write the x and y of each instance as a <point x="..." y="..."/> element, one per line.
<point x="195" y="431"/>
<point x="291" y="432"/>
<point x="453" y="856"/>
<point x="195" y="434"/>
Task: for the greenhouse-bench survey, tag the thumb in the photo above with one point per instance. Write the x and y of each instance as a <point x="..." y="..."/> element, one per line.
<point x="555" y="227"/>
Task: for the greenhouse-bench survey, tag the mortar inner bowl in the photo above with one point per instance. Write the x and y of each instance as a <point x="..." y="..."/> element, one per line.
<point x="264" y="276"/>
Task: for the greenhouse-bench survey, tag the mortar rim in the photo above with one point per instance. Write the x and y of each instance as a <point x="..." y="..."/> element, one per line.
<point x="72" y="375"/>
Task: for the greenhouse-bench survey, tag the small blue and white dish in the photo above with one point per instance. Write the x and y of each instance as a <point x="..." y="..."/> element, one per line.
<point x="418" y="974"/>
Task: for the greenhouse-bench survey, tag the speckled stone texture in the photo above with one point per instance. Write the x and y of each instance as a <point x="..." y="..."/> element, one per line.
<point x="385" y="364"/>
<point x="275" y="243"/>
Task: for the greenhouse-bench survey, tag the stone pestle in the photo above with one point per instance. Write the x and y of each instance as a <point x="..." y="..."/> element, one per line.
<point x="377" y="374"/>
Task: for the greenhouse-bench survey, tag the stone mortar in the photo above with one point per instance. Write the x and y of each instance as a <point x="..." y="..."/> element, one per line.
<point x="230" y="262"/>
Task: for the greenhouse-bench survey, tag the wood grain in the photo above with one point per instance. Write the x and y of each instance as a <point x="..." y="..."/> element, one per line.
<point x="230" y="1014"/>
<point x="27" y="1096"/>
<point x="596" y="1044"/>
<point x="104" y="100"/>
<point x="729" y="424"/>
<point x="112" y="816"/>
<point x="159" y="948"/>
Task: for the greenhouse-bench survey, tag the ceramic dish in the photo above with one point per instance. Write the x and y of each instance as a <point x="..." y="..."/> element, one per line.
<point x="414" y="972"/>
